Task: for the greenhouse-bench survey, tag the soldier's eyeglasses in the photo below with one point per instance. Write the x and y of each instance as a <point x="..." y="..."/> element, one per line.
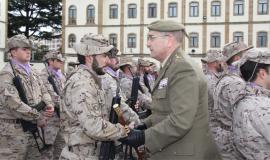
<point x="152" y="37"/>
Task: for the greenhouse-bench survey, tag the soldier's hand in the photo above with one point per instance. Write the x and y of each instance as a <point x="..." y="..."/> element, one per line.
<point x="131" y="125"/>
<point x="49" y="112"/>
<point x="42" y="122"/>
<point x="137" y="106"/>
<point x="135" y="138"/>
<point x="141" y="126"/>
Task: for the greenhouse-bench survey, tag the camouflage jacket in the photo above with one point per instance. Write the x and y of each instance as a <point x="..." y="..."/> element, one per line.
<point x="109" y="84"/>
<point x="230" y="88"/>
<point x="212" y="79"/>
<point x="84" y="115"/>
<point x="251" y="127"/>
<point x="11" y="106"/>
<point x="126" y="85"/>
<point x="59" y="82"/>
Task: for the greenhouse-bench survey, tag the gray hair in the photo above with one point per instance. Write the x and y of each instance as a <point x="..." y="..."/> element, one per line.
<point x="178" y="35"/>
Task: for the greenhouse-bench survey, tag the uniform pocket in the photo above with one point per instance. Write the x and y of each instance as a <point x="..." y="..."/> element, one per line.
<point x="160" y="93"/>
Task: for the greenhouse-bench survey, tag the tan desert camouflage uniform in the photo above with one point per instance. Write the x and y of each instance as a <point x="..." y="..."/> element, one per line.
<point x="229" y="89"/>
<point x="109" y="85"/>
<point x="84" y="116"/>
<point x="251" y="116"/>
<point x="14" y="142"/>
<point x="52" y="130"/>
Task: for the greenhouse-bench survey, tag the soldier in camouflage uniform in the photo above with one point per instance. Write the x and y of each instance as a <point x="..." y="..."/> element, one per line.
<point x="229" y="89"/>
<point x="54" y="62"/>
<point x="84" y="114"/>
<point x="111" y="83"/>
<point x="128" y="71"/>
<point x="14" y="142"/>
<point x="145" y="69"/>
<point x="214" y="62"/>
<point x="251" y="116"/>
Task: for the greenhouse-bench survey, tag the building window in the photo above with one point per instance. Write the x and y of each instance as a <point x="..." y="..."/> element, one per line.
<point x="113" y="11"/>
<point x="194" y="9"/>
<point x="262" y="39"/>
<point x="238" y="37"/>
<point x="215" y="40"/>
<point x="113" y="39"/>
<point x="238" y="7"/>
<point x="132" y="11"/>
<point x="71" y="40"/>
<point x="132" y="41"/>
<point x="215" y="8"/>
<point x="90" y="14"/>
<point x="263" y="7"/>
<point x="193" y="40"/>
<point x="152" y="10"/>
<point x="172" y="10"/>
<point x="72" y="14"/>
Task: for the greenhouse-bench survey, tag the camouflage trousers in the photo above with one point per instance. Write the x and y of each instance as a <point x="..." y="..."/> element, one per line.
<point x="80" y="152"/>
<point x="53" y="138"/>
<point x="224" y="141"/>
<point x="85" y="152"/>
<point x="14" y="143"/>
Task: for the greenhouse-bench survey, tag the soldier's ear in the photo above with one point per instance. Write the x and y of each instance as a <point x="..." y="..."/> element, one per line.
<point x="89" y="59"/>
<point x="262" y="74"/>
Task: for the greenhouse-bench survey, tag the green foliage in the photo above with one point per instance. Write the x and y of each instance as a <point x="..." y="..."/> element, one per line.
<point x="38" y="52"/>
<point x="30" y="17"/>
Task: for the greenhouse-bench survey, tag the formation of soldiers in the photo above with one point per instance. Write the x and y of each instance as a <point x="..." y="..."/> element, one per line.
<point x="238" y="90"/>
<point x="109" y="107"/>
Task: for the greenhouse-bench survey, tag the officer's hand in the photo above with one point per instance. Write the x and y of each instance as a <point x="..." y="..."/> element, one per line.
<point x="141" y="126"/>
<point x="135" y="138"/>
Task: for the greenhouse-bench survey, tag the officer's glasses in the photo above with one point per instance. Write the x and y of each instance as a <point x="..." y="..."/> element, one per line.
<point x="152" y="37"/>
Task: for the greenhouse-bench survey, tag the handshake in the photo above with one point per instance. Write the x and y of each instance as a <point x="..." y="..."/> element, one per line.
<point x="135" y="137"/>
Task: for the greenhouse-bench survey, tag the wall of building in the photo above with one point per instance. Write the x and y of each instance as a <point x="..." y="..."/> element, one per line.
<point x="3" y="30"/>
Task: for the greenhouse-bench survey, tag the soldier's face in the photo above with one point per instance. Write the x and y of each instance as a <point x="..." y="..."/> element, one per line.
<point x="157" y="43"/>
<point x="265" y="76"/>
<point x="56" y="64"/>
<point x="148" y="69"/>
<point x="114" y="63"/>
<point x="99" y="63"/>
<point x="22" y="55"/>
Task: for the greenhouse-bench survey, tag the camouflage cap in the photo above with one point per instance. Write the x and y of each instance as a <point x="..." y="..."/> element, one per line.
<point x="256" y="55"/>
<point x="18" y="41"/>
<point x="92" y="44"/>
<point x="166" y="26"/>
<point x="212" y="56"/>
<point x="54" y="55"/>
<point x="113" y="52"/>
<point x="156" y="67"/>
<point x="144" y="63"/>
<point x="126" y="60"/>
<point x="231" y="49"/>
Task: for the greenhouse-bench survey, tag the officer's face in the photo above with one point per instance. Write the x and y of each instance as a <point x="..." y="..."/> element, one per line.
<point x="99" y="63"/>
<point x="22" y="55"/>
<point x="157" y="43"/>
